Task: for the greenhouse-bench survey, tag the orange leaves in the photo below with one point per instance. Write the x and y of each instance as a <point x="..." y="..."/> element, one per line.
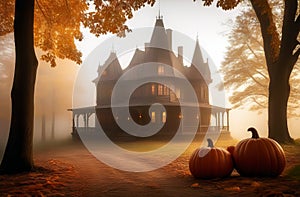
<point x="208" y="2"/>
<point x="228" y="4"/>
<point x="110" y="16"/>
<point x="58" y="23"/>
<point x="6" y="16"/>
<point x="224" y="4"/>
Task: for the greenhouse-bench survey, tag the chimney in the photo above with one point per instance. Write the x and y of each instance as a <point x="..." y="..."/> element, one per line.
<point x="180" y="54"/>
<point x="169" y="35"/>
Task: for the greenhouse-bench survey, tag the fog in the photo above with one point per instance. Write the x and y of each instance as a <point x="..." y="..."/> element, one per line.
<point x="53" y="96"/>
<point x="54" y="89"/>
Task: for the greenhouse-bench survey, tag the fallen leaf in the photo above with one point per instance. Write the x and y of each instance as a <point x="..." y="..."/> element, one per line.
<point x="255" y="184"/>
<point x="233" y="189"/>
<point x="195" y="185"/>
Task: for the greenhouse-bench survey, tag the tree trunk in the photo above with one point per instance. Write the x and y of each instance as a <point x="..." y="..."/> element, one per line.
<point x="43" y="138"/>
<point x="279" y="91"/>
<point x="18" y="152"/>
<point x="53" y="125"/>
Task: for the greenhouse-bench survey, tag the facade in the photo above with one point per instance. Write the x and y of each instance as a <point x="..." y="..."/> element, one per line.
<point x="156" y="61"/>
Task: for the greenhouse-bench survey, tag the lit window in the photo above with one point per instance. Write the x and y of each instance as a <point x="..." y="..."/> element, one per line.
<point x="160" y="89"/>
<point x="166" y="90"/>
<point x="164" y="117"/>
<point x="161" y="70"/>
<point x="177" y="92"/>
<point x="180" y="116"/>
<point x="153" y="116"/>
<point x="153" y="89"/>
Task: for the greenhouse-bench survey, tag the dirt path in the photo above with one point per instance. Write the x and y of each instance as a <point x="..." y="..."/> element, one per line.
<point x="73" y="171"/>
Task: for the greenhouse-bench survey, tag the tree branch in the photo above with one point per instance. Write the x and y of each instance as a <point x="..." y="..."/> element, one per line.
<point x="289" y="30"/>
<point x="296" y="56"/>
<point x="258" y="103"/>
<point x="246" y="71"/>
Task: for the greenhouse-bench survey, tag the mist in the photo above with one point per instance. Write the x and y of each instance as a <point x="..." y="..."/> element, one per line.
<point x="53" y="96"/>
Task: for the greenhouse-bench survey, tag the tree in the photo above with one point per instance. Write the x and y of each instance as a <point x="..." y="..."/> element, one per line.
<point x="244" y="67"/>
<point x="53" y="26"/>
<point x="281" y="54"/>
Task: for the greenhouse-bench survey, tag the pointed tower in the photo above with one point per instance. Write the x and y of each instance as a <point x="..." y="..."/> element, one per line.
<point x="108" y="74"/>
<point x="113" y="68"/>
<point x="158" y="48"/>
<point x="198" y="64"/>
<point x="159" y="37"/>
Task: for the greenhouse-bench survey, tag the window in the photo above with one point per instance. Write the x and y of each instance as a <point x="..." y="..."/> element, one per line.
<point x="163" y="90"/>
<point x="160" y="89"/>
<point x="153" y="116"/>
<point x="153" y="89"/>
<point x="166" y="90"/>
<point x="160" y="70"/>
<point x="177" y="92"/>
<point x="164" y="117"/>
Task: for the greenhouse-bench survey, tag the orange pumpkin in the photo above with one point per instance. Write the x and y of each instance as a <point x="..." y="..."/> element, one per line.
<point x="230" y="149"/>
<point x="210" y="162"/>
<point x="259" y="156"/>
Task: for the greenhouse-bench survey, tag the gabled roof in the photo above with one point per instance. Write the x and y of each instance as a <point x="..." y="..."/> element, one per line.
<point x="112" y="68"/>
<point x="137" y="58"/>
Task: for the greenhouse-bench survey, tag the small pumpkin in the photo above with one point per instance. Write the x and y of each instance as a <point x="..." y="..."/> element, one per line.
<point x="230" y="149"/>
<point x="259" y="156"/>
<point x="210" y="162"/>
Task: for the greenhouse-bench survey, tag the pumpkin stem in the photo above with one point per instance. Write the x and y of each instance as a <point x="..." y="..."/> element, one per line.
<point x="210" y="143"/>
<point x="254" y="132"/>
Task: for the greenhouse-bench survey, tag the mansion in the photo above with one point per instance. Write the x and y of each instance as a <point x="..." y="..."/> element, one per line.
<point x="156" y="61"/>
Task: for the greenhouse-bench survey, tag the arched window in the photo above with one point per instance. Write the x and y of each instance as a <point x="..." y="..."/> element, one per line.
<point x="160" y="70"/>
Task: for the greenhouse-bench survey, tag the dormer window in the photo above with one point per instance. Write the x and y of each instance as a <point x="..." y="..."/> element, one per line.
<point x="160" y="70"/>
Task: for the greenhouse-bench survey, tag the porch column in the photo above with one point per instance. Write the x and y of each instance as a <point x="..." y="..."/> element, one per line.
<point x="85" y="120"/>
<point x="77" y="120"/>
<point x="227" y="120"/>
<point x="222" y="120"/>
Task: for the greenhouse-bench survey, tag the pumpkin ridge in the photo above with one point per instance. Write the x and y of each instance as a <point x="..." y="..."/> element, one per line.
<point x="273" y="155"/>
<point x="280" y="156"/>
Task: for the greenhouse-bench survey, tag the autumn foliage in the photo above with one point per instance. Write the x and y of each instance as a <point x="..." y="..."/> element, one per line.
<point x="58" y="23"/>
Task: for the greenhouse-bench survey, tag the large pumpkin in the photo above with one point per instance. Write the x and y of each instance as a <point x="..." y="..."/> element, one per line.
<point x="210" y="162"/>
<point x="259" y="156"/>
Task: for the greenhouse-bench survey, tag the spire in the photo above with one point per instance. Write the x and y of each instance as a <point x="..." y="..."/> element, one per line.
<point x="159" y="15"/>
<point x="113" y="48"/>
<point x="159" y="36"/>
<point x="197" y="57"/>
<point x="198" y="62"/>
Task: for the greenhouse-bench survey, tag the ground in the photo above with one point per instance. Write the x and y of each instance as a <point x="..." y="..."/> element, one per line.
<point x="70" y="170"/>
